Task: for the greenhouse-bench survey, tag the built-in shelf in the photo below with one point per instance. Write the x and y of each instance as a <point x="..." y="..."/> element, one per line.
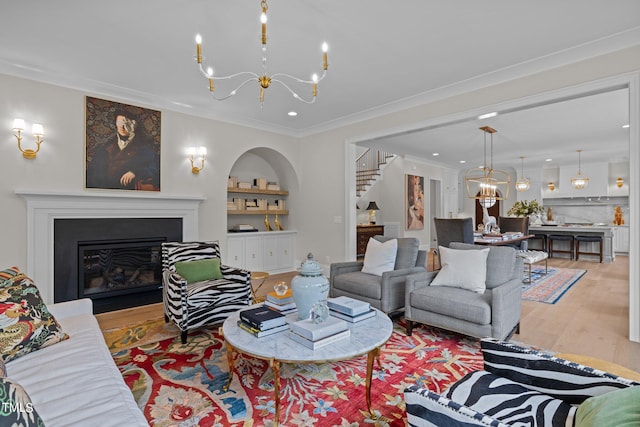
<point x="256" y="212"/>
<point x="257" y="191"/>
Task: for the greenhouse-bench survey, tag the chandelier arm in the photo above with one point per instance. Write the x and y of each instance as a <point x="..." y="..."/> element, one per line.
<point x="230" y="76"/>
<point x="324" y="73"/>
<point x="234" y="91"/>
<point x="293" y="93"/>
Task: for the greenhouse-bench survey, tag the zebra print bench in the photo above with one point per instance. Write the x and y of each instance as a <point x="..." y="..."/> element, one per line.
<point x="519" y="387"/>
<point x="208" y="302"/>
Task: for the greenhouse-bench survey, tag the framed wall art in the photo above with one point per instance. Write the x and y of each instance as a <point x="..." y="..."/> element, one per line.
<point x="122" y="146"/>
<point x="414" y="202"/>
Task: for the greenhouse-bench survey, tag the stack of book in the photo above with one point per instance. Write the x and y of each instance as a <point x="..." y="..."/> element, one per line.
<point x="262" y="321"/>
<point x="350" y="309"/>
<point x="282" y="303"/>
<point x="317" y="335"/>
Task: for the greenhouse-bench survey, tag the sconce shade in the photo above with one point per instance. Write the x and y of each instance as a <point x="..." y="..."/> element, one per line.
<point x="551" y="186"/>
<point x="619" y="182"/>
<point x="18" y="124"/>
<point x="37" y="129"/>
<point x="373" y="207"/>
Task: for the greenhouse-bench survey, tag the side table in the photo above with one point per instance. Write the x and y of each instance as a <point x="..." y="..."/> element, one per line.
<point x="257" y="275"/>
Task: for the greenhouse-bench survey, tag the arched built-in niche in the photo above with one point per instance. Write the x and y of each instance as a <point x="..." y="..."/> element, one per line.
<point x="272" y="165"/>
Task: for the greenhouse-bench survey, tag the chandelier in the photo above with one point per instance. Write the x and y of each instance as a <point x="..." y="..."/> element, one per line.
<point x="485" y="184"/>
<point x="263" y="79"/>
<point x="579" y="181"/>
<point x="522" y="184"/>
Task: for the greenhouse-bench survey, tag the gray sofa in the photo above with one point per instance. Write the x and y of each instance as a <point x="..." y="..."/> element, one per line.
<point x="385" y="292"/>
<point x="494" y="313"/>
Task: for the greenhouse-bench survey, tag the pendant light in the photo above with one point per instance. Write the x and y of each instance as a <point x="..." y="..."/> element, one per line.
<point x="523" y="183"/>
<point x="485" y="184"/>
<point x="579" y="181"/>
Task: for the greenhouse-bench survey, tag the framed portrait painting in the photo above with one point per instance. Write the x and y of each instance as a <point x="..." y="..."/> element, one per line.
<point x="414" y="202"/>
<point x="122" y="146"/>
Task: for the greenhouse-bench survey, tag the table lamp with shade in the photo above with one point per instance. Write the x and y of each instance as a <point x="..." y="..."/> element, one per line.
<point x="372" y="208"/>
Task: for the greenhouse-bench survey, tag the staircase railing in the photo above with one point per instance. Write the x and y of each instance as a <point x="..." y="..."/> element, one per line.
<point x="368" y="167"/>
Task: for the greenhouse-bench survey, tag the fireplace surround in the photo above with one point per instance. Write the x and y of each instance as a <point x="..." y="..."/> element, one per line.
<point x="43" y="208"/>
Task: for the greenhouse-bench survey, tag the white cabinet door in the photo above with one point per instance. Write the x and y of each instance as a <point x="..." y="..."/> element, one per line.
<point x="286" y="251"/>
<point x="253" y="253"/>
<point x="621" y="239"/>
<point x="270" y="259"/>
<point x="235" y="252"/>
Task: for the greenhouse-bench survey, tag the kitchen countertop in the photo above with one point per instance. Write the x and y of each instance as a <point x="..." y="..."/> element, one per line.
<point x="573" y="227"/>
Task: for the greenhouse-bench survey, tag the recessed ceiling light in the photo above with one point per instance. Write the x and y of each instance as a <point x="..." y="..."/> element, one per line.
<point x="292" y="113"/>
<point x="463" y="161"/>
<point x="488" y="115"/>
<point x="435" y="154"/>
<point x="548" y="160"/>
<point x="625" y="126"/>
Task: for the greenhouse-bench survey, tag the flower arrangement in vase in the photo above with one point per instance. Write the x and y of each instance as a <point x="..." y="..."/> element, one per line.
<point x="527" y="208"/>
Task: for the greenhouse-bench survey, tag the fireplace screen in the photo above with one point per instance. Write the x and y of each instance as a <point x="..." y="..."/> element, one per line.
<point x="107" y="268"/>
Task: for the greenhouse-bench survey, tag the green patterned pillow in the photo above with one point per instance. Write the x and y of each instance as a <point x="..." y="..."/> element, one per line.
<point x="16" y="408"/>
<point x="25" y="322"/>
<point x="8" y="274"/>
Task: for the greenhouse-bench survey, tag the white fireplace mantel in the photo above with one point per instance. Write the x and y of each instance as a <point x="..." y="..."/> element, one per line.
<point x="44" y="207"/>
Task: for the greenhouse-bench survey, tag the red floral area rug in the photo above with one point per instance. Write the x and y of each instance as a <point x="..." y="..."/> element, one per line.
<point x="183" y="385"/>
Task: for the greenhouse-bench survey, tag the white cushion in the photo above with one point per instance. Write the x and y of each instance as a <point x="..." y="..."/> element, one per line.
<point x="380" y="257"/>
<point x="466" y="269"/>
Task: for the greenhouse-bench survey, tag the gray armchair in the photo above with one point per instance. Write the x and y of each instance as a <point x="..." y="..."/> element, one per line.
<point x="494" y="313"/>
<point x="385" y="292"/>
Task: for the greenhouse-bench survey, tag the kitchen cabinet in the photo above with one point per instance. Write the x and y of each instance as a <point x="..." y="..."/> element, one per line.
<point x="621" y="239"/>
<point x="273" y="252"/>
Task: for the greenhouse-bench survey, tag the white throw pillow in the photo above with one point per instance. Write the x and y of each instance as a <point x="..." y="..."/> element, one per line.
<point x="380" y="257"/>
<point x="462" y="268"/>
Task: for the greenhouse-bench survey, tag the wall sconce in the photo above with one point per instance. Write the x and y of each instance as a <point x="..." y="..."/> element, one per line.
<point x="551" y="186"/>
<point x="197" y="155"/>
<point x="619" y="182"/>
<point x="37" y="130"/>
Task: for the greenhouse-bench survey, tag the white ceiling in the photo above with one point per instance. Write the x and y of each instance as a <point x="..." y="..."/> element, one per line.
<point x="383" y="57"/>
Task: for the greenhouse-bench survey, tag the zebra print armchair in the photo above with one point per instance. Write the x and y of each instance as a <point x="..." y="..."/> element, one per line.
<point x="526" y="387"/>
<point x="207" y="302"/>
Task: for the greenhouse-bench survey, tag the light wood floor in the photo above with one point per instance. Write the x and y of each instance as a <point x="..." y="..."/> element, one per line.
<point x="590" y="319"/>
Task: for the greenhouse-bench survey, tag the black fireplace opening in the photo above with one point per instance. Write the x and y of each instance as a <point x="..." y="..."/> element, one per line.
<point x="114" y="261"/>
<point x="119" y="267"/>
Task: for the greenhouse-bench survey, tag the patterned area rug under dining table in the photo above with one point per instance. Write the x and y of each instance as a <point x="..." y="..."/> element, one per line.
<point x="550" y="287"/>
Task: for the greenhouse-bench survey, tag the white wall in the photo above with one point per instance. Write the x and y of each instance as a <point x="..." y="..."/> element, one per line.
<point x="59" y="166"/>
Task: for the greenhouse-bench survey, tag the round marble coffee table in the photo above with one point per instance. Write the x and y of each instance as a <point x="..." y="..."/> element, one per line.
<point x="366" y="337"/>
